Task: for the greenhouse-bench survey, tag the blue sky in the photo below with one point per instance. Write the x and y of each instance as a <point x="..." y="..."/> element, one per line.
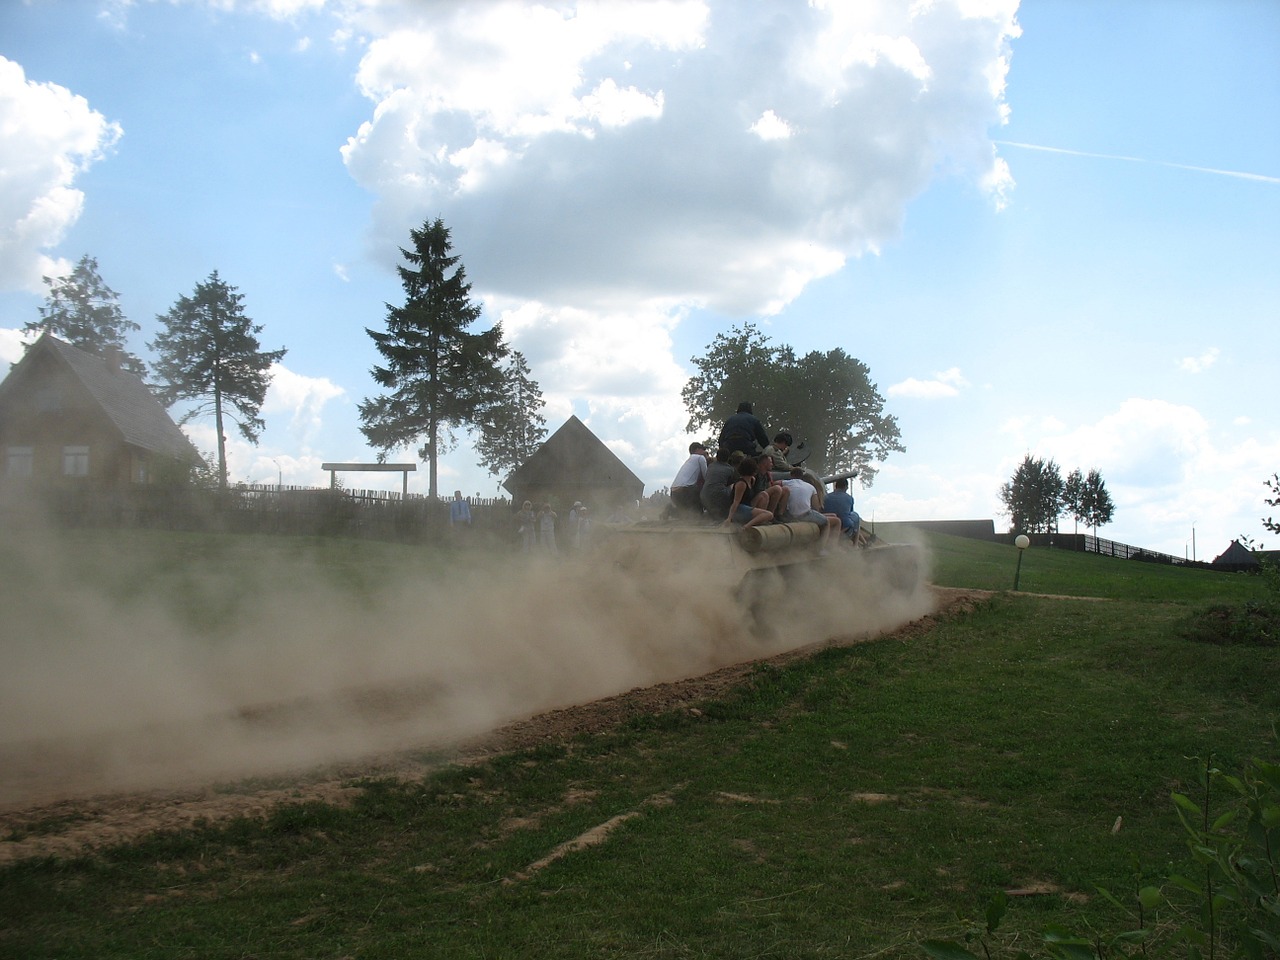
<point x="1048" y="228"/>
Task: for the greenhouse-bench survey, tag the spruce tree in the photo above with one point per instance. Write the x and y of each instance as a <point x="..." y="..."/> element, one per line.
<point x="438" y="375"/>
<point x="83" y="311"/>
<point x="209" y="352"/>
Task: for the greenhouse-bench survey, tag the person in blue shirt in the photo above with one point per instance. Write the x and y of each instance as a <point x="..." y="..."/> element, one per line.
<point x="840" y="502"/>
<point x="459" y="511"/>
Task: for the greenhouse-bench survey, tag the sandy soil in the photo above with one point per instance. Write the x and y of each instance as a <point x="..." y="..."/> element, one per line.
<point x="72" y="826"/>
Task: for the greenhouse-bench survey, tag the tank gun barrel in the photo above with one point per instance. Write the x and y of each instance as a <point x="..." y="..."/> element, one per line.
<point x="847" y="475"/>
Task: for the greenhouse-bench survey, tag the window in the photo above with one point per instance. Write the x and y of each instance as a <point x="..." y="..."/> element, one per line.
<point x="75" y="461"/>
<point x="19" y="461"/>
<point x="140" y="472"/>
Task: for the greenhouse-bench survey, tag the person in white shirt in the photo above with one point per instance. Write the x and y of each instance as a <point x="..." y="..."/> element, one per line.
<point x="687" y="485"/>
<point x="802" y="505"/>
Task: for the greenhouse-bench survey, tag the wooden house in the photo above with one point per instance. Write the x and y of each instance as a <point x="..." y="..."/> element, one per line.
<point x="574" y="465"/>
<point x="71" y="419"/>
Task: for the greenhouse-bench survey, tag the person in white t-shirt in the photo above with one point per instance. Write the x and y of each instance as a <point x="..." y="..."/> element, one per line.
<point x="687" y="485"/>
<point x="802" y="505"/>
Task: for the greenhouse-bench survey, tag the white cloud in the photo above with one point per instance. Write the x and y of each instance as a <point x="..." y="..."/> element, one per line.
<point x="13" y="344"/>
<point x="619" y="146"/>
<point x="604" y="168"/>
<point x="771" y="127"/>
<point x="302" y="397"/>
<point x="1201" y="363"/>
<point x="948" y="383"/>
<point x="1168" y="468"/>
<point x="48" y="136"/>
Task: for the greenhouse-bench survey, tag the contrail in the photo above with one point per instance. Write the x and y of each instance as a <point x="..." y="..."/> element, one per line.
<point x="1162" y="163"/>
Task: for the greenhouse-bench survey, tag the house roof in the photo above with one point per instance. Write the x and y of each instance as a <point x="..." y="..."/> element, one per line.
<point x="122" y="396"/>
<point x="573" y="454"/>
<point x="1236" y="555"/>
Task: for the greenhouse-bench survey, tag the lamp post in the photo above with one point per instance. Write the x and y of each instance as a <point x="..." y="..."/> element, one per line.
<point x="1022" y="541"/>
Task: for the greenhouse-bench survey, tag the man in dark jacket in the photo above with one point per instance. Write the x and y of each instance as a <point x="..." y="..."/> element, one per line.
<point x="744" y="432"/>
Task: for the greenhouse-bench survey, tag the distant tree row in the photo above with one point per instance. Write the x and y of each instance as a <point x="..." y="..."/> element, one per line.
<point x="1036" y="496"/>
<point x="439" y="376"/>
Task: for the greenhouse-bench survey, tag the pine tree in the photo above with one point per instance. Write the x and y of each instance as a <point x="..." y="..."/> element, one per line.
<point x="209" y="351"/>
<point x="513" y="428"/>
<point x="438" y="375"/>
<point x="83" y="311"/>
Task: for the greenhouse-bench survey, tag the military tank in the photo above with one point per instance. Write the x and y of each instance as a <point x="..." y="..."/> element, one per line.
<point x="777" y="572"/>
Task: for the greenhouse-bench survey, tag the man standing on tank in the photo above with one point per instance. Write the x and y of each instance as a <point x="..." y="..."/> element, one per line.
<point x="742" y="431"/>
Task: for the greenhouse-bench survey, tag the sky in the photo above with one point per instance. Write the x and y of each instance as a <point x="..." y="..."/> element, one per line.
<point x="1049" y="228"/>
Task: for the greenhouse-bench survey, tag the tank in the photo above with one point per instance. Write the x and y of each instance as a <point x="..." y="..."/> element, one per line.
<point x="776" y="572"/>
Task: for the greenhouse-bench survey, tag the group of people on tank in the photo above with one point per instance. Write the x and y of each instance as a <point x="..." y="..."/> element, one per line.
<point x="741" y="483"/>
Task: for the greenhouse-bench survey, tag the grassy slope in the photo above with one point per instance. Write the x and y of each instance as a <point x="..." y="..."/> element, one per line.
<point x="846" y="805"/>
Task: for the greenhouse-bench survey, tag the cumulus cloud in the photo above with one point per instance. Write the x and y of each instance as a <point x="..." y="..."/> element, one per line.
<point x="1167" y="468"/>
<point x="948" y="383"/>
<point x="302" y="397"/>
<point x="1201" y="363"/>
<point x="12" y="347"/>
<point x="48" y="136"/>
<point x="607" y="167"/>
<point x="609" y="153"/>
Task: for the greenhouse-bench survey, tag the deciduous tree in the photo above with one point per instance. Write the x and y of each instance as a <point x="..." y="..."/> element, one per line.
<point x="438" y="375"/>
<point x="1073" y="497"/>
<point x="82" y="310"/>
<point x="1273" y="486"/>
<point x="825" y="398"/>
<point x="1097" y="506"/>
<point x="513" y="428"/>
<point x="209" y="352"/>
<point x="1033" y="497"/>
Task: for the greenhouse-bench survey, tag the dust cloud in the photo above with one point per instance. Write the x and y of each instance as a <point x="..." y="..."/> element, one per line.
<point x="106" y="688"/>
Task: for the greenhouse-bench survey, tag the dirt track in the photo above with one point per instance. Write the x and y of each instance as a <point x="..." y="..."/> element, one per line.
<point x="69" y="827"/>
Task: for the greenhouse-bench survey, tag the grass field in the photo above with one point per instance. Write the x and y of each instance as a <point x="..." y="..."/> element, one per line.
<point x="849" y="804"/>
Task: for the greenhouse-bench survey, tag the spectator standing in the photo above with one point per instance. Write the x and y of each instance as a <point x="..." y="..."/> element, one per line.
<point x="527" y="526"/>
<point x="459" y="511"/>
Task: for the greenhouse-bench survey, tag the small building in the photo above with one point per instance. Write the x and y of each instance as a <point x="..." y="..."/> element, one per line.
<point x="1237" y="558"/>
<point x="72" y="419"/>
<point x="574" y="465"/>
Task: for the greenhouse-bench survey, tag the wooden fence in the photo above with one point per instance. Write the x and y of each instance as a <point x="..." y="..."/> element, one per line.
<point x="368" y="514"/>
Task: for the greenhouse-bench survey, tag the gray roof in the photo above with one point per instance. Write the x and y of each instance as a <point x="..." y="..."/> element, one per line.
<point x="122" y="396"/>
<point x="573" y="454"/>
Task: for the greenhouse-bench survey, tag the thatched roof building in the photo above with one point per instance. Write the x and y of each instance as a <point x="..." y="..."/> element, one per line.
<point x="574" y="465"/>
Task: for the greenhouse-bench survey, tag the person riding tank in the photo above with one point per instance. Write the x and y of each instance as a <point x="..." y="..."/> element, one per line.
<point x="744" y="432"/>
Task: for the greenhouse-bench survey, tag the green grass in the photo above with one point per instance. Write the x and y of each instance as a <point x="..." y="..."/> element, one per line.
<point x="848" y="805"/>
<point x="992" y="566"/>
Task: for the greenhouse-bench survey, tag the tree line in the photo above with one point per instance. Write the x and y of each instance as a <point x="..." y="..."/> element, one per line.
<point x="1037" y="496"/>
<point x="438" y="374"/>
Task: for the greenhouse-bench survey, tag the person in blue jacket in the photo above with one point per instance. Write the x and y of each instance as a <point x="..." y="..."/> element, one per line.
<point x="743" y="431"/>
<point x="840" y="502"/>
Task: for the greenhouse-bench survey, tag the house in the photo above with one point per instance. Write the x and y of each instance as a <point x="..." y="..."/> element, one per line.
<point x="1236" y="558"/>
<point x="71" y="419"/>
<point x="571" y="465"/>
